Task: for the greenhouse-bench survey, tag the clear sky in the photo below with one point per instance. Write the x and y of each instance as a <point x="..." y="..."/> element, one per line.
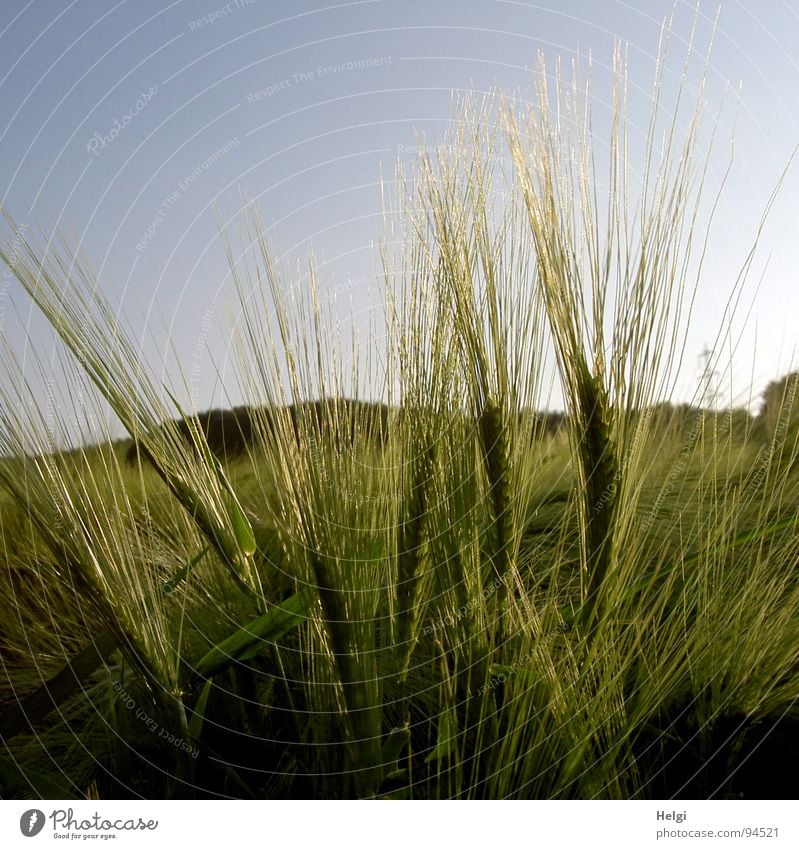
<point x="127" y="123"/>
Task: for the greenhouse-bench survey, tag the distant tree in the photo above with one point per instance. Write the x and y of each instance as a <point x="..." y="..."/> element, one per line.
<point x="674" y="420"/>
<point x="536" y="423"/>
<point x="230" y="433"/>
<point x="738" y="421"/>
<point x="779" y="411"/>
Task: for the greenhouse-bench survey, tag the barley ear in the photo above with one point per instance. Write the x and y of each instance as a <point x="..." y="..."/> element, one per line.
<point x="495" y="440"/>
<point x="600" y="475"/>
<point x="409" y="566"/>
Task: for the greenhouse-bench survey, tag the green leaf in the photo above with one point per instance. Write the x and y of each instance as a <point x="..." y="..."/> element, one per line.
<point x="395" y="785"/>
<point x="396" y="742"/>
<point x="447" y="742"/>
<point x="501" y="670"/>
<point x="198" y="715"/>
<point x="242" y="527"/>
<point x="252" y="638"/>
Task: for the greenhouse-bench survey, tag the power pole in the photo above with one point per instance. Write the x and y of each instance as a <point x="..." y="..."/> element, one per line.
<point x="709" y="380"/>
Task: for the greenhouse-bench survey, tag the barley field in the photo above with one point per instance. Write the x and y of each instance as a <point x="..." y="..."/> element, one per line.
<point x="408" y="580"/>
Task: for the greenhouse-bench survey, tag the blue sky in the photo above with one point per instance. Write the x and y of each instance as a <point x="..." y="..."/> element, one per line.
<point x="128" y="123"/>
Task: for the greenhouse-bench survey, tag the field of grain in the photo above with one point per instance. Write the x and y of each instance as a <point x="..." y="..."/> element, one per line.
<point x="440" y="595"/>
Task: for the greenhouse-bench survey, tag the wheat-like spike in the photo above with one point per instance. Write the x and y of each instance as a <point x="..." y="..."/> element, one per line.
<point x="411" y="542"/>
<point x="495" y="440"/>
<point x="601" y="473"/>
<point x="360" y="692"/>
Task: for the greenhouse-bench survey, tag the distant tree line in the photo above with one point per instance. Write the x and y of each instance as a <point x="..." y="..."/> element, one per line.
<point x="779" y="411"/>
<point x="230" y="433"/>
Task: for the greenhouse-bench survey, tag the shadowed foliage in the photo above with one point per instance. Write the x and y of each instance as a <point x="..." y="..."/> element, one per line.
<point x="230" y="434"/>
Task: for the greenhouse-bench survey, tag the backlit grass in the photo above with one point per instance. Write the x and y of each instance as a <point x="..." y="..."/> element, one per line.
<point x="434" y="598"/>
